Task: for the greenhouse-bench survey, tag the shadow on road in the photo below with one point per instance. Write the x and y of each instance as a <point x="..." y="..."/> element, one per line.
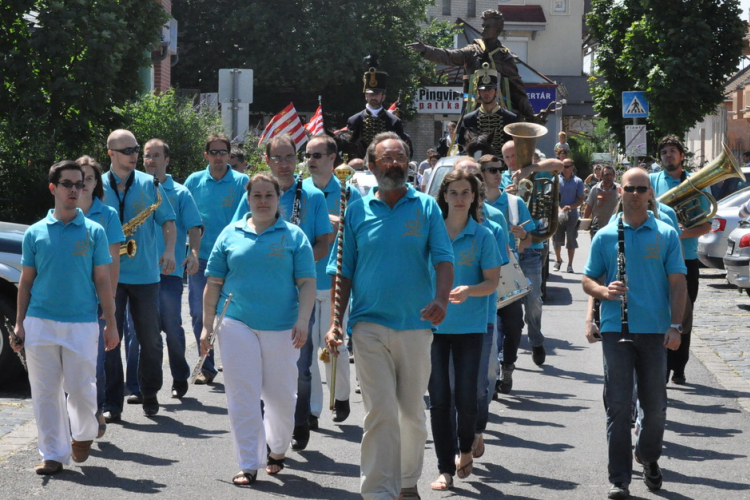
<point x="102" y="477"/>
<point x="104" y="449"/>
<point x="165" y="424"/>
<point x="683" y="452"/>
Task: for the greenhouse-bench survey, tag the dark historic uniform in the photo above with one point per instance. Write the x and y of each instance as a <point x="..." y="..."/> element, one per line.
<point x="485" y="122"/>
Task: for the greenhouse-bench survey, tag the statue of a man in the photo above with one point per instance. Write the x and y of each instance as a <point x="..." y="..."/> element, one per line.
<point x="487" y="49"/>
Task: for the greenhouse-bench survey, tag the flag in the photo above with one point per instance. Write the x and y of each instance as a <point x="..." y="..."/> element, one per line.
<point x="286" y="122"/>
<point x="315" y="125"/>
<point x="393" y="107"/>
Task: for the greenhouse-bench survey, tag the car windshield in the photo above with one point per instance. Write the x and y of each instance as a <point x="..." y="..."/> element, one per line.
<point x="736" y="199"/>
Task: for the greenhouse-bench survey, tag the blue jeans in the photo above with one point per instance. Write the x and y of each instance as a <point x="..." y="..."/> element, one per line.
<point x="648" y="357"/>
<point x="132" y="350"/>
<point x="304" y="378"/>
<point x="466" y="351"/>
<point x="509" y="327"/>
<point x="144" y="301"/>
<point x="483" y="382"/>
<point x="196" y="285"/>
<point x="530" y="261"/>
<point x="170" y="318"/>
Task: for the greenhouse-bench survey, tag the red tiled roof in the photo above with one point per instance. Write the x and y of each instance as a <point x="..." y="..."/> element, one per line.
<point x="523" y="13"/>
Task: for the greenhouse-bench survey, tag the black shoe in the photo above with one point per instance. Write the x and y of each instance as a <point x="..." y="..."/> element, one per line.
<point x="538" y="355"/>
<point x="652" y="476"/>
<point x="679" y="379"/>
<point x="112" y="417"/>
<point x="179" y="388"/>
<point x="313" y="421"/>
<point x="300" y="437"/>
<point x="135" y="399"/>
<point x="341" y="410"/>
<point x="618" y="490"/>
<point x="505" y="383"/>
<point x="150" y="406"/>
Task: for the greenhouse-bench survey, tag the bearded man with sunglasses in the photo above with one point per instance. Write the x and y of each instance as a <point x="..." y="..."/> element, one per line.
<point x="130" y="192"/>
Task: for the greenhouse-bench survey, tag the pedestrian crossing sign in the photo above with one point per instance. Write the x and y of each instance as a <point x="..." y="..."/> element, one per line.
<point x="634" y="104"/>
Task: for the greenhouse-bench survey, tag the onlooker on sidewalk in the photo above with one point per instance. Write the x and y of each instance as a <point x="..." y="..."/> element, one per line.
<point x="571" y="197"/>
<point x="602" y="200"/>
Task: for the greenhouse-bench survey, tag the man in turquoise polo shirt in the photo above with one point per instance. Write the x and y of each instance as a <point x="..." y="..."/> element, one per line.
<point x="672" y="155"/>
<point x="216" y="190"/>
<point x="304" y="205"/>
<point x="320" y="154"/>
<point x="132" y="194"/>
<point x="189" y="227"/>
<point x="391" y="234"/>
<point x="654" y="300"/>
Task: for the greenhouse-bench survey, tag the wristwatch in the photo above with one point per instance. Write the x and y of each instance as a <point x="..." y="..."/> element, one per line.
<point x="677" y="327"/>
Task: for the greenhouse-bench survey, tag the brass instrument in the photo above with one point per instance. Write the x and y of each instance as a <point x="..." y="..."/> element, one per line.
<point x="542" y="195"/>
<point x="685" y="198"/>
<point x="130" y="247"/>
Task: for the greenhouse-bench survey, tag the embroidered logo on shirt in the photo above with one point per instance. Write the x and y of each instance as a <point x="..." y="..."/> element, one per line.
<point x="228" y="200"/>
<point x="141" y="203"/>
<point x="83" y="246"/>
<point x="277" y="249"/>
<point x="653" y="250"/>
<point x="413" y="226"/>
<point x="467" y="257"/>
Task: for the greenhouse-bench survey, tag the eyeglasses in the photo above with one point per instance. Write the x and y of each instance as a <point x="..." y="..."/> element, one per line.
<point x="129" y="151"/>
<point x="284" y="159"/>
<point x="493" y="170"/>
<point x="317" y="156"/>
<point x="567" y="166"/>
<point x="152" y="157"/>
<point x="633" y="189"/>
<point x="400" y="159"/>
<point x="214" y="152"/>
<point x="71" y="185"/>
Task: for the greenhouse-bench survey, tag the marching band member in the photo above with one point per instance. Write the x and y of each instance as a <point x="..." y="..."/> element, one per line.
<point x="58" y="327"/>
<point x="268" y="266"/>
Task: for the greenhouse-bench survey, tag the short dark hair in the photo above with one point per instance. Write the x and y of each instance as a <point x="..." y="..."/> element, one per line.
<point x="278" y="141"/>
<point x="485" y="159"/>
<point x="494" y="15"/>
<point x="58" y="168"/>
<point x="670" y="140"/>
<point x="84" y="161"/>
<point x="330" y="143"/>
<point x="163" y="144"/>
<point x="458" y="175"/>
<point x="237" y="153"/>
<point x="382" y="137"/>
<point x="746" y="153"/>
<point x="216" y="137"/>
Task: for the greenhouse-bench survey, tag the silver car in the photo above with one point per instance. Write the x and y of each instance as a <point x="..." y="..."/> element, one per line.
<point x="713" y="245"/>
<point x="737" y="258"/>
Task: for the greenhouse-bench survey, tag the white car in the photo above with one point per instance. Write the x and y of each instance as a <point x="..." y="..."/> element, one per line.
<point x="11" y="237"/>
<point x="713" y="245"/>
<point x="737" y="258"/>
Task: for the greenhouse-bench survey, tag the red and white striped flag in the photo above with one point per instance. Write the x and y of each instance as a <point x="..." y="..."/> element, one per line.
<point x="286" y="122"/>
<point x="315" y="125"/>
<point x="393" y="107"/>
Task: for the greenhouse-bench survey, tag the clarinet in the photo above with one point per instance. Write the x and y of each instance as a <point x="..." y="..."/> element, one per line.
<point x="211" y="339"/>
<point x="622" y="277"/>
<point x="14" y="340"/>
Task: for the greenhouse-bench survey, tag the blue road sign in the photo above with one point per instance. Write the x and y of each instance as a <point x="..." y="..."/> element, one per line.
<point x="634" y="104"/>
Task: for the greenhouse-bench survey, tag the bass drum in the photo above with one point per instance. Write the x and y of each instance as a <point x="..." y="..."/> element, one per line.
<point x="513" y="284"/>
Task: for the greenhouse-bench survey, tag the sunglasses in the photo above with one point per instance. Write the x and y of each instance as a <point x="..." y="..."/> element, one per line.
<point x="633" y="189"/>
<point x="71" y="185"/>
<point x="214" y="152"/>
<point x="129" y="151"/>
<point x="493" y="170"/>
<point x="317" y="156"/>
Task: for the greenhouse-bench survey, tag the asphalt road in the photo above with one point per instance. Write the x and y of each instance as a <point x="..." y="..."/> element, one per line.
<point x="546" y="440"/>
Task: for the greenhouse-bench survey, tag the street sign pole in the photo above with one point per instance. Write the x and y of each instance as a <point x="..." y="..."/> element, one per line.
<point x="235" y="98"/>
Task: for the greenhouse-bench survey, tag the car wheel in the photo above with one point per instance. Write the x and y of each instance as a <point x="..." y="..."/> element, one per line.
<point x="11" y="368"/>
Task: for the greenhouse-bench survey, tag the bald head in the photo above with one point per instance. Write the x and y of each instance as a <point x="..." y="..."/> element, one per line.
<point x="468" y="165"/>
<point x="636" y="177"/>
<point x="120" y="139"/>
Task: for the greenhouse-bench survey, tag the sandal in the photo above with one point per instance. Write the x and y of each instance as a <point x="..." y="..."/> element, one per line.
<point x="443" y="482"/>
<point x="102" y="425"/>
<point x="249" y="476"/>
<point x="466" y="470"/>
<point x="477" y="449"/>
<point x="278" y="462"/>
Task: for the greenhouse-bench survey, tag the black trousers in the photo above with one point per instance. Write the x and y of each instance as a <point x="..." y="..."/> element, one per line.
<point x="677" y="360"/>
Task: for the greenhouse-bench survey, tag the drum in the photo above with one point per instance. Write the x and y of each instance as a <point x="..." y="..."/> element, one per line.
<point x="513" y="284"/>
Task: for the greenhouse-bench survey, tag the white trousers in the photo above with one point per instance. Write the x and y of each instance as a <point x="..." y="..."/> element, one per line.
<point x="343" y="370"/>
<point x="258" y="364"/>
<point x="62" y="359"/>
<point x="393" y="369"/>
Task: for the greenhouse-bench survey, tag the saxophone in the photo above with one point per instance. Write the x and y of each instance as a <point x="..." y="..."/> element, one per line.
<point x="130" y="247"/>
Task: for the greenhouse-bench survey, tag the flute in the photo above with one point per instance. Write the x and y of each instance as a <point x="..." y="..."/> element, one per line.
<point x="211" y="339"/>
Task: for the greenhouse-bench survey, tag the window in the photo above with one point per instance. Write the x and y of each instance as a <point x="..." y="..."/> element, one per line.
<point x="471" y="8"/>
<point x="446" y="7"/>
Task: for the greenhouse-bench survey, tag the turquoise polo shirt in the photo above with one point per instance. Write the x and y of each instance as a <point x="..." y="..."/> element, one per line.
<point x="652" y="252"/>
<point x="495" y="215"/>
<point x="64" y="257"/>
<point x="143" y="269"/>
<point x="501" y="238"/>
<point x="261" y="271"/>
<point x="386" y="255"/>
<point x="666" y="215"/>
<point x="332" y="193"/>
<point x="187" y="217"/>
<point x="663" y="182"/>
<point x="217" y="201"/>
<point x="106" y="217"/>
<point x="501" y="203"/>
<point x="474" y="250"/>
<point x="313" y="217"/>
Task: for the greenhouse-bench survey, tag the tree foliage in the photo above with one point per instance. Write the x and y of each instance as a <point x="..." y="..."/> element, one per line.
<point x="680" y="52"/>
<point x="299" y="49"/>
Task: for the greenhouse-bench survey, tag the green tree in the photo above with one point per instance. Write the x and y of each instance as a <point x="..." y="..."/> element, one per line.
<point x="680" y="52"/>
<point x="299" y="49"/>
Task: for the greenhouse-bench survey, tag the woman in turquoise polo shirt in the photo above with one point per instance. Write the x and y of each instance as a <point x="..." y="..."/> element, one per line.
<point x="460" y="336"/>
<point x="267" y="265"/>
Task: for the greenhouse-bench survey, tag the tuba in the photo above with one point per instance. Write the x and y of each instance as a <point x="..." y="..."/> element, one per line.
<point x="685" y="199"/>
<point x="130" y="247"/>
<point x="540" y="195"/>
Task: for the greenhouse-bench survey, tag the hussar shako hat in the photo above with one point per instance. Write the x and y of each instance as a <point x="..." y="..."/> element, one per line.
<point x="373" y="79"/>
<point x="486" y="77"/>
